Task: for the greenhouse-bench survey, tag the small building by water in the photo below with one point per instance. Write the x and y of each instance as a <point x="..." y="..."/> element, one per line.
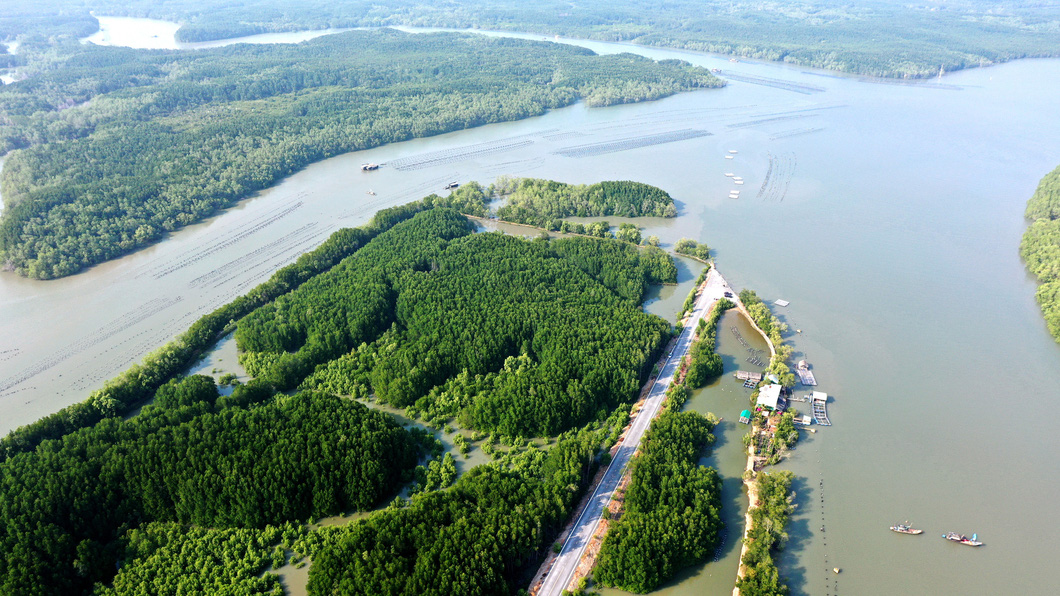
<point x="769" y="397"/>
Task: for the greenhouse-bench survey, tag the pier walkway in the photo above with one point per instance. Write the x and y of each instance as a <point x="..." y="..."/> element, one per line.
<point x="560" y="575"/>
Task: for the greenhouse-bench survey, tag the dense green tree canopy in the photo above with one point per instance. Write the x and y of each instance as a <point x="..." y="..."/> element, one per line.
<point x="480" y="537"/>
<point x="67" y="503"/>
<point x="1040" y="247"/>
<point x="543" y="203"/>
<point x="704" y="362"/>
<point x="691" y="248"/>
<point x="504" y="333"/>
<point x="168" y="558"/>
<point x="672" y="507"/>
<point x="768" y="518"/>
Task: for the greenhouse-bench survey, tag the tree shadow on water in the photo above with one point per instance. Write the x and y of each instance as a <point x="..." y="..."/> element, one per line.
<point x="801" y="533"/>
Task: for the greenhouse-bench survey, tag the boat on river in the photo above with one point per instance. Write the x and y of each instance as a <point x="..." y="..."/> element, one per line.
<point x="905" y="529"/>
<point x="962" y="539"/>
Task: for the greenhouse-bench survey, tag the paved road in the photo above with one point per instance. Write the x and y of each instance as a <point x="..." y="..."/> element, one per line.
<point x="567" y="562"/>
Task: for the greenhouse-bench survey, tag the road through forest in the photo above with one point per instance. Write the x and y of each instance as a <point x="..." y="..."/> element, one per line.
<point x="562" y="571"/>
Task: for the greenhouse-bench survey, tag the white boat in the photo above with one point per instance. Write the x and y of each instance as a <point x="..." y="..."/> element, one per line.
<point x="729" y="174"/>
<point x="739" y="182"/>
<point x="728" y="157"/>
<point x="733" y="151"/>
<point x="737" y="178"/>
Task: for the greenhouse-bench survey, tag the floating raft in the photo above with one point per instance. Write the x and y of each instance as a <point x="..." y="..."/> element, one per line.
<point x="806" y="377"/>
<point x="744" y="375"/>
<point x="805" y="374"/>
<point x="820" y="408"/>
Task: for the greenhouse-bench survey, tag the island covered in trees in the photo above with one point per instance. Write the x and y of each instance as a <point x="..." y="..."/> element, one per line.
<point x="116" y="147"/>
<point x="517" y="338"/>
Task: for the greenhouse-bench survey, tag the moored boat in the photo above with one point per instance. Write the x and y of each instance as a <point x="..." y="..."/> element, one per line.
<point x="962" y="539"/>
<point x="906" y="529"/>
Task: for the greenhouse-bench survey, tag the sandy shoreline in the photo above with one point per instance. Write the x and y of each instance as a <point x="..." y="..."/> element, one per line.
<point x="749" y="480"/>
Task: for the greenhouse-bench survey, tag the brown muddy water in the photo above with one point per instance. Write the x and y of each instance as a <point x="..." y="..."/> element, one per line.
<point x="888" y="214"/>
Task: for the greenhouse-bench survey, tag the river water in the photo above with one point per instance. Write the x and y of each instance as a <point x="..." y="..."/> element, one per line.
<point x="152" y="34"/>
<point x="888" y="214"/>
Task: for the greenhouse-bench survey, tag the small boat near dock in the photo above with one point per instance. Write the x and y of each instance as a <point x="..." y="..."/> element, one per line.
<point x="905" y="529"/>
<point x="962" y="539"/>
<point x="368" y="167"/>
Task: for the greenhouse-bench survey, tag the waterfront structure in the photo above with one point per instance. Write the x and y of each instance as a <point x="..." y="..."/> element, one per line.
<point x="769" y="397"/>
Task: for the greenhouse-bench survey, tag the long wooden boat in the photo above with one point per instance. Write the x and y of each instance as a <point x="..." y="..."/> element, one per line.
<point x="905" y="529"/>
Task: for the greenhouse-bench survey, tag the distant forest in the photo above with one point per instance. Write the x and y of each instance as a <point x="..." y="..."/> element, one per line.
<point x="117" y="146"/>
<point x="890" y="38"/>
<point x="1040" y="247"/>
